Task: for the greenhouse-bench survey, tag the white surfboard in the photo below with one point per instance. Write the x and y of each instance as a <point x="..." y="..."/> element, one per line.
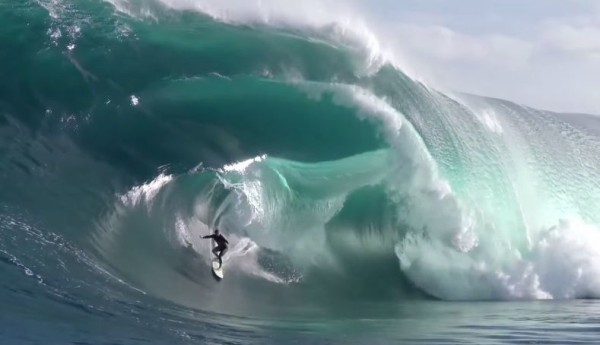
<point x="217" y="271"/>
<point x="216" y="268"/>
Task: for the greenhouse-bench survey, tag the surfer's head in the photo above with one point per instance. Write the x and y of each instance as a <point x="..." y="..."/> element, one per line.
<point x="216" y="231"/>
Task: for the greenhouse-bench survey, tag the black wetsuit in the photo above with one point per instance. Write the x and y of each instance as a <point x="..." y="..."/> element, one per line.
<point x="221" y="247"/>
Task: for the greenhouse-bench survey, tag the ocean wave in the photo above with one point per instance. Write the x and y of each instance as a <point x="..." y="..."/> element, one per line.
<point x="318" y="157"/>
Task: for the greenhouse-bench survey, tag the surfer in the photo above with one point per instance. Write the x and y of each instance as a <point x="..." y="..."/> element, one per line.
<point x="221" y="247"/>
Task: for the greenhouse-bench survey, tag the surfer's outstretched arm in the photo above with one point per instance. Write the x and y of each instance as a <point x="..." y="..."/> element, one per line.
<point x="209" y="236"/>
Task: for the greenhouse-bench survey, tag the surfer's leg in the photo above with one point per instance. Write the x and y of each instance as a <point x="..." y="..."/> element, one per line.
<point x="220" y="256"/>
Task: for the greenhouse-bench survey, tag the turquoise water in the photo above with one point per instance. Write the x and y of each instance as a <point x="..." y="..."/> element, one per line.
<point x="362" y="206"/>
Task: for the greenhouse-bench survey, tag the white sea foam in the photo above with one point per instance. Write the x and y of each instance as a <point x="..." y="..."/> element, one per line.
<point x="564" y="263"/>
<point x="145" y="192"/>
<point x="243" y="165"/>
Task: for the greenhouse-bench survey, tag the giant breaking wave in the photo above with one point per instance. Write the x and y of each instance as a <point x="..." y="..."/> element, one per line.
<point x="338" y="178"/>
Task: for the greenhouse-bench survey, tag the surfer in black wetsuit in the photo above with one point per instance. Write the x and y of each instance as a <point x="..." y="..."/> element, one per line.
<point x="221" y="247"/>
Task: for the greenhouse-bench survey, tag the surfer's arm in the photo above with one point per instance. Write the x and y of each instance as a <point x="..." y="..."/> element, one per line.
<point x="209" y="236"/>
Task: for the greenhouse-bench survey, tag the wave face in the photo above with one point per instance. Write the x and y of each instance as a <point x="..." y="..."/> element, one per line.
<point x="129" y="129"/>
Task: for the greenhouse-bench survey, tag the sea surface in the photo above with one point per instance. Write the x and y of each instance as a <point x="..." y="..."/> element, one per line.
<point x="363" y="206"/>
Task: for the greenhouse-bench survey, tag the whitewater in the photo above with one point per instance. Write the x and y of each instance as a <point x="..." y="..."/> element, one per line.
<point x="363" y="205"/>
